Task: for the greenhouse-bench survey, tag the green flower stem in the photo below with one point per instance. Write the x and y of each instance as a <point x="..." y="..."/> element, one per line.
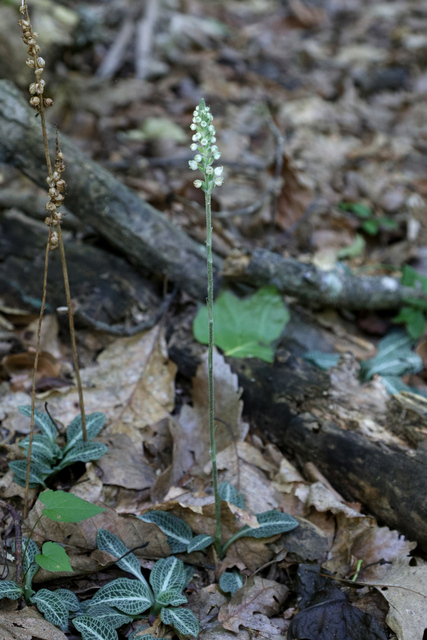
<point x="28" y="542"/>
<point x="218" y="544"/>
<point x="240" y="534"/>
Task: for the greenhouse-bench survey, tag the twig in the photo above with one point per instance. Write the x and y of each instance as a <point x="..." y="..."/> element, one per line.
<point x="144" y="38"/>
<point x="18" y="539"/>
<point x="113" y="59"/>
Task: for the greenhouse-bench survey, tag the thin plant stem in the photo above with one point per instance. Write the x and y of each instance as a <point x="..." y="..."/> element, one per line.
<point x="18" y="539"/>
<point x="28" y="542"/>
<point x="218" y="542"/>
<point x="72" y="332"/>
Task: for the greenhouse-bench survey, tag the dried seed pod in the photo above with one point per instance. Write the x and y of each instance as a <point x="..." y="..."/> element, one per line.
<point x="48" y="102"/>
<point x="29" y="62"/>
<point x="58" y="215"/>
<point x="54" y="239"/>
<point x="23" y="8"/>
<point x="34" y="101"/>
<point x="50" y="206"/>
<point x="55" y="176"/>
<point x="41" y="62"/>
<point x="48" y="221"/>
<point x="53" y="192"/>
<point x="59" y="197"/>
<point x="33" y="88"/>
<point x="60" y="184"/>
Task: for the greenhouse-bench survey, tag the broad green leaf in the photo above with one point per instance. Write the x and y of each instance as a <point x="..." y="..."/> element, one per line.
<point x="167" y="574"/>
<point x="178" y="533"/>
<point x="130" y="596"/>
<point x="38" y="473"/>
<point x="394" y="357"/>
<point x="83" y="452"/>
<point x="358" y="208"/>
<point x="200" y="542"/>
<point x="69" y="599"/>
<point x="53" y="558"/>
<point x="416" y="325"/>
<point x="94" y="628"/>
<point x="41" y="420"/>
<point x="66" y="507"/>
<point x="245" y="327"/>
<point x="231" y="581"/>
<point x="410" y="277"/>
<point x="52" y="607"/>
<point x="271" y="523"/>
<point x="107" y="614"/>
<point x="322" y="360"/>
<point x="183" y="620"/>
<point x="94" y="424"/>
<point x="394" y="384"/>
<point x="170" y="597"/>
<point x="353" y="250"/>
<point x="29" y="565"/>
<point x="9" y="589"/>
<point x="107" y="541"/>
<point x="371" y="226"/>
<point x="228" y="493"/>
<point x="42" y="446"/>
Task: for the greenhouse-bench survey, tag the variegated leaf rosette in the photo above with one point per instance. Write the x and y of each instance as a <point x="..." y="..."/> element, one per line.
<point x="207" y="152"/>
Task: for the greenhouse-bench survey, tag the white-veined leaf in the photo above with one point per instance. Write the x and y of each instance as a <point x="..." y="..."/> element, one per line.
<point x="183" y="620"/>
<point x="167" y="574"/>
<point x="52" y="607"/>
<point x="231" y="581"/>
<point x="69" y="599"/>
<point x="94" y="629"/>
<point x="107" y="614"/>
<point x="171" y="597"/>
<point x="394" y="358"/>
<point x="94" y="424"/>
<point x="83" y="452"/>
<point x="29" y="565"/>
<point x="270" y="524"/>
<point x="189" y="573"/>
<point x="9" y="589"/>
<point x="130" y="596"/>
<point x="41" y="420"/>
<point x="38" y="472"/>
<point x="43" y="446"/>
<point x="200" y="542"/>
<point x="107" y="541"/>
<point x="228" y="493"/>
<point x="178" y="532"/>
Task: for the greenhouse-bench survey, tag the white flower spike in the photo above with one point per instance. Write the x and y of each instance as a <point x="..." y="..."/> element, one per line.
<point x="203" y="142"/>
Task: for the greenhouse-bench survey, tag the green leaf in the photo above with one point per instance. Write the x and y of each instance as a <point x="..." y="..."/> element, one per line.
<point x="322" y="360"/>
<point x="130" y="596"/>
<point x="358" y="208"/>
<point x="83" y="452"/>
<point x="371" y="226"/>
<point x="416" y="325"/>
<point x="394" y="357"/>
<point x="170" y="597"/>
<point x="353" y="250"/>
<point x="388" y="223"/>
<point x="38" y="473"/>
<point x="69" y="599"/>
<point x="53" y="558"/>
<point x="178" y="533"/>
<point x="183" y="620"/>
<point x="231" y="581"/>
<point x="94" y="628"/>
<point x="94" y="424"/>
<point x="107" y="614"/>
<point x="43" y="447"/>
<point x="29" y="565"/>
<point x="394" y="384"/>
<point x="200" y="542"/>
<point x="66" y="507"/>
<point x="245" y="327"/>
<point x="107" y="541"/>
<point x="410" y="277"/>
<point x="9" y="589"/>
<point x="271" y="523"/>
<point x="167" y="574"/>
<point x="228" y="493"/>
<point x="41" y="420"/>
<point x="52" y="607"/>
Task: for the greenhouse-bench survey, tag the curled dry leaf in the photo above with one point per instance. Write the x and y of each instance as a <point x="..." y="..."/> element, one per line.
<point x="253" y="605"/>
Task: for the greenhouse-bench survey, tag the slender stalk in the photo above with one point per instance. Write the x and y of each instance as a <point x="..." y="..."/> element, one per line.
<point x="72" y="332"/>
<point x="28" y="541"/>
<point x="218" y="542"/>
<point x="18" y="539"/>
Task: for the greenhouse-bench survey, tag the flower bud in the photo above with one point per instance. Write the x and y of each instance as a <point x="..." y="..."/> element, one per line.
<point x="193" y="147"/>
<point x="192" y="164"/>
<point x="198" y="183"/>
<point x="198" y="157"/>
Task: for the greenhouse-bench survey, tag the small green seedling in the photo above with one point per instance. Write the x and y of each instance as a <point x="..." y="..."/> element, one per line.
<point x="180" y="537"/>
<point x="413" y="313"/>
<point x="56" y="606"/>
<point x="130" y="598"/>
<point x="370" y="223"/>
<point x="47" y="457"/>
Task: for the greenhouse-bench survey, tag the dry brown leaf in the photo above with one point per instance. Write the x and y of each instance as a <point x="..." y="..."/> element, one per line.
<point x="380" y="543"/>
<point x="125" y="464"/>
<point x="405" y="589"/>
<point x="253" y="605"/>
<point x="28" y="624"/>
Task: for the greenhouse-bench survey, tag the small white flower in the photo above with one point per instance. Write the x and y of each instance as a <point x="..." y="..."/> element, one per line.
<point x="218" y="181"/>
<point x="198" y="158"/>
<point x="195" y="113"/>
<point x="209" y="171"/>
<point x="193" y="126"/>
<point x="218" y="171"/>
<point x="193" y="147"/>
<point x="211" y="128"/>
<point x="213" y="139"/>
<point x="203" y="142"/>
<point x="198" y="183"/>
<point x="192" y="164"/>
<point x="203" y="124"/>
<point x="214" y="148"/>
<point x="217" y="155"/>
<point x="196" y="137"/>
<point x="197" y="119"/>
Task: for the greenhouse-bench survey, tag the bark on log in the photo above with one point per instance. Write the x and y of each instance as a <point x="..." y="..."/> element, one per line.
<point x="98" y="198"/>
<point x="315" y="287"/>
